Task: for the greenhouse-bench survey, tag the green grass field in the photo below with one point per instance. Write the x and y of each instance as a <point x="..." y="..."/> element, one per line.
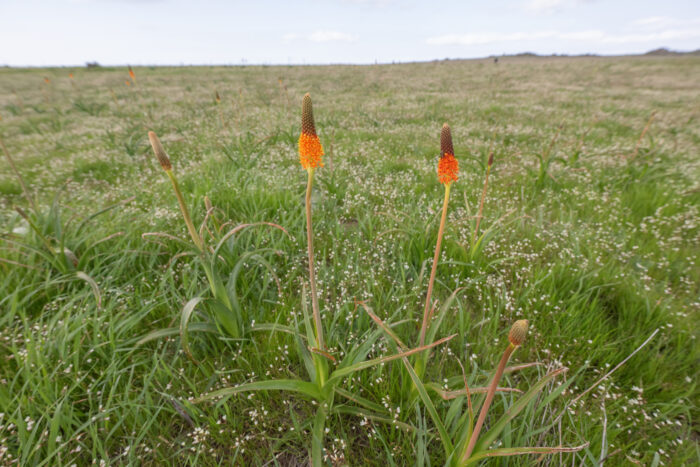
<point x="592" y="234"/>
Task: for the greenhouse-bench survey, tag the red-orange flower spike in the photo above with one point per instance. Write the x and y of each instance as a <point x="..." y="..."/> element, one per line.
<point x="448" y="167"/>
<point x="310" y="149"/>
<point x="132" y="75"/>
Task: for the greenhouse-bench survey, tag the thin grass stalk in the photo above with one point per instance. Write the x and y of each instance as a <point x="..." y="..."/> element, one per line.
<point x="17" y="174"/>
<point x="20" y="102"/>
<point x="433" y="271"/>
<point x="114" y="96"/>
<point x="221" y="112"/>
<point x="545" y="155"/>
<point x="641" y="136"/>
<point x="239" y="110"/>
<point x="483" y="197"/>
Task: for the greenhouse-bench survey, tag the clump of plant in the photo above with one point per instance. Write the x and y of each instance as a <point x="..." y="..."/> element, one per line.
<point x="324" y="382"/>
<point x="545" y="161"/>
<point x="458" y="431"/>
<point x="48" y="241"/>
<point x="480" y="237"/>
<point x="209" y="249"/>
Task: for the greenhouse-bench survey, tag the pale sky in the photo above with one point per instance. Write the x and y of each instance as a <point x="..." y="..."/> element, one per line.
<point x="142" y="32"/>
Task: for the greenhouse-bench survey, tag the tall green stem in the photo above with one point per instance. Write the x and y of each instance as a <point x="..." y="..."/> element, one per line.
<point x="185" y="213"/>
<point x="312" y="271"/>
<point x="426" y="311"/>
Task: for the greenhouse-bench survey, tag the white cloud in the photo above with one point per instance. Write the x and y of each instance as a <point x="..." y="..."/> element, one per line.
<point x="322" y="36"/>
<point x="373" y="2"/>
<point x="550" y="6"/>
<point x="591" y="36"/>
<point x="488" y="38"/>
<point x="660" y="22"/>
<point x="331" y="36"/>
<point x="546" y="6"/>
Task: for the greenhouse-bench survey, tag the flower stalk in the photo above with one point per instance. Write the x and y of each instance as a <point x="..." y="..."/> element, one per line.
<point x="310" y="157"/>
<point x="516" y="337"/>
<point x="164" y="161"/>
<point x="448" y="169"/>
<point x="312" y="269"/>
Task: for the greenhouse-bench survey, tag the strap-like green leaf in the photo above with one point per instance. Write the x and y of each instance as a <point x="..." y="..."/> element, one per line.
<point x="185" y="316"/>
<point x="347" y="409"/>
<point x="520" y="451"/>
<point x="491" y="435"/>
<point x="167" y="332"/>
<point x="293" y="385"/>
<point x="444" y="437"/>
<point x="317" y="435"/>
<point x="348" y="370"/>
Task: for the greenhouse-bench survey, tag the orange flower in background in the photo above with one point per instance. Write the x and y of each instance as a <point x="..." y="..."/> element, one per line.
<point x="448" y="167"/>
<point x="47" y="80"/>
<point x="310" y="149"/>
<point x="70" y="75"/>
<point x="131" y="74"/>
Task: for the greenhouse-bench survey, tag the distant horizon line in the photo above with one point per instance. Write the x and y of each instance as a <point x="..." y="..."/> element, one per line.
<point x="658" y="52"/>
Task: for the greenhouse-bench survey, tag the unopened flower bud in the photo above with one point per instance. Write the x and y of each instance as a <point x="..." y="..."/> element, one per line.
<point x="518" y="332"/>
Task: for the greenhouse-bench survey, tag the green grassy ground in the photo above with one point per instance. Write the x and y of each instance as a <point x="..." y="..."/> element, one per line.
<point x="598" y="248"/>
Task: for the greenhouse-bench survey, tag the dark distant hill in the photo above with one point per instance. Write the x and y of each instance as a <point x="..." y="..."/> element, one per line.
<point x="660" y="52"/>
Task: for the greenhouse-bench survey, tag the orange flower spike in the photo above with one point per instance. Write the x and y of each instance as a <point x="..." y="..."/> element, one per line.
<point x="132" y="75"/>
<point x="448" y="167"/>
<point x="310" y="149"/>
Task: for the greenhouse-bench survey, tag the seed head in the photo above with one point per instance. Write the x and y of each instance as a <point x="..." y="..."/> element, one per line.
<point x="518" y="332"/>
<point x="491" y="159"/>
<point x="158" y="150"/>
<point x="446" y="141"/>
<point x="307" y="116"/>
<point x="448" y="167"/>
<point x="218" y="97"/>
